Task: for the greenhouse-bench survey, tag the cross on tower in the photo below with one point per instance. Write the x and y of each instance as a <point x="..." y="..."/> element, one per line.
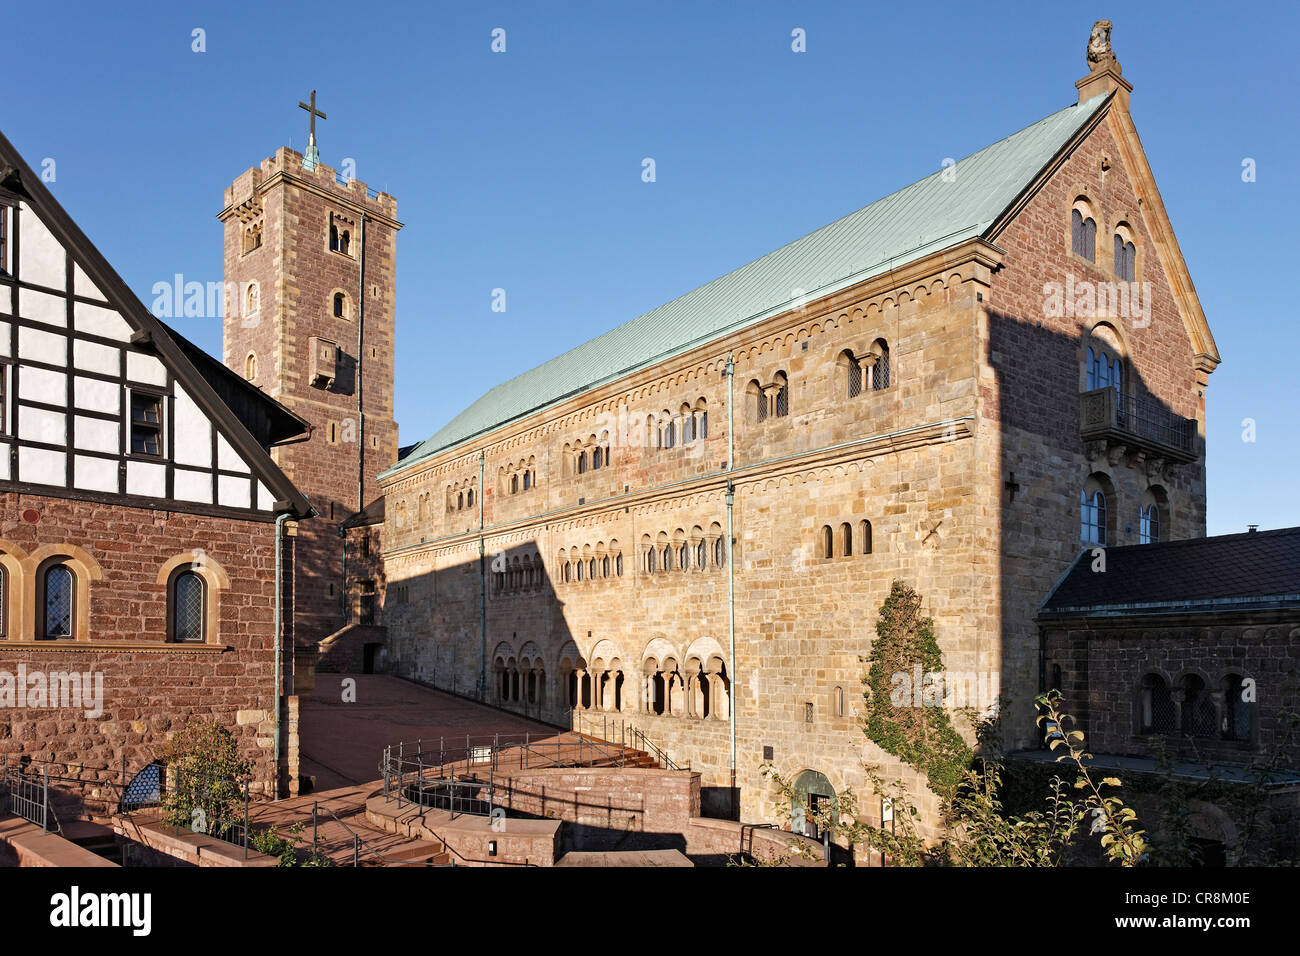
<point x="314" y="113"/>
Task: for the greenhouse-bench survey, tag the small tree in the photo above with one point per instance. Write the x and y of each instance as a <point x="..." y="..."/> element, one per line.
<point x="208" y="779"/>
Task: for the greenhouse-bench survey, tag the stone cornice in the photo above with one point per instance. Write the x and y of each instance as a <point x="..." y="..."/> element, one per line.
<point x="715" y="483"/>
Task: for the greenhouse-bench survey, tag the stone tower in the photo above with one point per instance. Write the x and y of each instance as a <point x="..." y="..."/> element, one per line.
<point x="310" y="257"/>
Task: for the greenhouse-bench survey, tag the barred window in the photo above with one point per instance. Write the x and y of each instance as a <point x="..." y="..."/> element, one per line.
<point x="187" y="607"/>
<point x="1198" y="708"/>
<point x="1157" y="706"/>
<point x="1238" y="709"/>
<point x="58" y="586"/>
<point x="718" y="557"/>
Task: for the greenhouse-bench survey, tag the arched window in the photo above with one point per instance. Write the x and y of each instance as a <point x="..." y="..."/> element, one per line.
<point x="528" y="479"/>
<point x="688" y="424"/>
<point x="668" y="558"/>
<point x="839" y="701"/>
<point x="701" y="555"/>
<point x="581" y="565"/>
<point x="252" y="299"/>
<point x="334" y="237"/>
<point x="670" y="434"/>
<point x="846" y="539"/>
<point x="864" y="529"/>
<point x="582" y="462"/>
<point x="250" y="367"/>
<point x="1125" y="256"/>
<point x="345" y="239"/>
<point x="704" y="421"/>
<point x="1092" y="512"/>
<point x="604" y="566"/>
<point x="1083" y="232"/>
<point x="851" y="368"/>
<point x="683" y="557"/>
<point x="651" y="560"/>
<point x="469" y="498"/>
<point x="188" y="596"/>
<point x="460" y="501"/>
<point x="618" y="564"/>
<point x="757" y="401"/>
<point x="340" y="301"/>
<point x="782" y="395"/>
<point x="1198" y="708"/>
<point x="1157" y="706"/>
<point x="514" y="484"/>
<point x="58" y="596"/>
<point x="591" y="569"/>
<point x="719" y="555"/>
<point x="880" y="373"/>
<point x="1153" y="523"/>
<point x="596" y="456"/>
<point x="828" y="541"/>
<point x="1238" y="709"/>
<point x="1149" y="524"/>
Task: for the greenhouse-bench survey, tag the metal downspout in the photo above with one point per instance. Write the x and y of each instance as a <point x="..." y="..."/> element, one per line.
<point x="482" y="590"/>
<point x="280" y="519"/>
<point x="731" y="564"/>
<point x="361" y="414"/>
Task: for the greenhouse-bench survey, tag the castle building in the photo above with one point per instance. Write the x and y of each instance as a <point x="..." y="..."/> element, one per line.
<point x="311" y="256"/>
<point x="144" y="523"/>
<point x="687" y="525"/>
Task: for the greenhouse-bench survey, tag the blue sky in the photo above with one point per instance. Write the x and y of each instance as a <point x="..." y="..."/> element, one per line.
<point x="522" y="170"/>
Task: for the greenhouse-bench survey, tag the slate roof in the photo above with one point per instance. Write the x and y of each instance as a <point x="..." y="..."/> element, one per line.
<point x="1241" y="571"/>
<point x="941" y="210"/>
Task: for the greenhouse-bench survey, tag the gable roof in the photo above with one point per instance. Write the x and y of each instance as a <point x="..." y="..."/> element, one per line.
<point x="1225" y="572"/>
<point x="18" y="177"/>
<point x="941" y="210"/>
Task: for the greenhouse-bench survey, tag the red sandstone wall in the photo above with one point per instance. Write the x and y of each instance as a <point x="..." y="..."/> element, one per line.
<point x="147" y="693"/>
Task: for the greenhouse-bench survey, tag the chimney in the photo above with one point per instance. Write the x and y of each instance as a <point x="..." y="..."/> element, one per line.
<point x="1103" y="69"/>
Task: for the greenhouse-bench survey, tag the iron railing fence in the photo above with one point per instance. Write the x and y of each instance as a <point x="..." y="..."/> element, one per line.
<point x="218" y="806"/>
<point x="1105" y="408"/>
<point x="27" y="795"/>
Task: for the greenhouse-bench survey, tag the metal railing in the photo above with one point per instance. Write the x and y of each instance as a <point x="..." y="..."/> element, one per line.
<point x="629" y="736"/>
<point x="1105" y="409"/>
<point x="218" y="806"/>
<point x="28" y="796"/>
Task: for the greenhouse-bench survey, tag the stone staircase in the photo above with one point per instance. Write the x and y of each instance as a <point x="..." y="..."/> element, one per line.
<point x="95" y="837"/>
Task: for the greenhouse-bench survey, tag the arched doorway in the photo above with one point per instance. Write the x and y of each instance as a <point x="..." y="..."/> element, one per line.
<point x="814" y="795"/>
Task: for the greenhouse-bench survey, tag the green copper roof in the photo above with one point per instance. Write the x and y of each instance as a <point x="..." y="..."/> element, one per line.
<point x="947" y="207"/>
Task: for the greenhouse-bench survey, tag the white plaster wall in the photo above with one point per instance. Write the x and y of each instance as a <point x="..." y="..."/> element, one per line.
<point x="96" y="396"/>
<point x="146" y="478"/>
<point x="193" y="432"/>
<point x="43" y="346"/>
<point x="42" y="385"/>
<point x="145" y="368"/>
<point x="93" y="357"/>
<point x="41" y="466"/>
<point x="43" y="307"/>
<point x="227" y="458"/>
<point x="233" y="492"/>
<point x="94" y="474"/>
<point x="43" y="258"/>
<point x="97" y="320"/>
<point x="95" y="434"/>
<point x="193" y="485"/>
<point x="37" y="424"/>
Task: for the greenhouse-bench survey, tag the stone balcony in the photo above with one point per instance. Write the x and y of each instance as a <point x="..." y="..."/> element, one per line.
<point x="1135" y="426"/>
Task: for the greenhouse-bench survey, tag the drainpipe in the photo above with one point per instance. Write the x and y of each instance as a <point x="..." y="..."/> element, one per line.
<point x="361" y="325"/>
<point x="280" y="519"/>
<point x="482" y="589"/>
<point x="731" y="563"/>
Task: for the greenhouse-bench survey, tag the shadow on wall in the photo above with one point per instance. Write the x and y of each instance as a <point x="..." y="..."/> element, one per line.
<point x="1081" y="399"/>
